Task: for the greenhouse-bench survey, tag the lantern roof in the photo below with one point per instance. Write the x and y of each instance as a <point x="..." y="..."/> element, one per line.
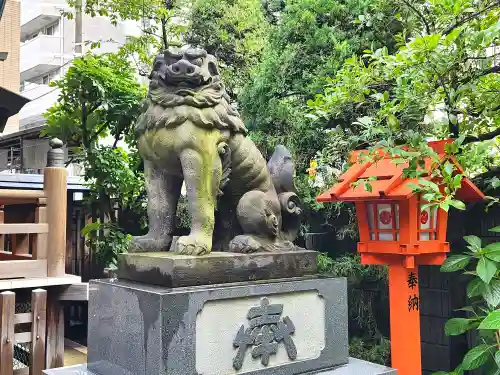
<point x="387" y="180"/>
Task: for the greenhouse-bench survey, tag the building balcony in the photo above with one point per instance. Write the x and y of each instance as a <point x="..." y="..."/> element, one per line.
<point x="33" y="90"/>
<point x="42" y="97"/>
<point x="40" y="56"/>
<point x="37" y="15"/>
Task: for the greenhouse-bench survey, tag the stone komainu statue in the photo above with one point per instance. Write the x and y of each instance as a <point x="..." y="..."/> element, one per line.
<point x="189" y="132"/>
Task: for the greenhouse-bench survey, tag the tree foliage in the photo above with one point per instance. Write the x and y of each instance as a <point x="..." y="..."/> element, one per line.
<point x="443" y="81"/>
<point x="161" y="22"/>
<point x="100" y="98"/>
<point x="234" y="31"/>
<point x="308" y="41"/>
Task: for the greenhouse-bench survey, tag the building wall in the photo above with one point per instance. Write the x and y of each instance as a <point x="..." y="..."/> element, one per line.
<point x="58" y="54"/>
<point x="9" y="42"/>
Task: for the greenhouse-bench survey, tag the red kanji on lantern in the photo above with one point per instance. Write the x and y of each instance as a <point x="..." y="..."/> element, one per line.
<point x="385" y="217"/>
<point x="424" y="217"/>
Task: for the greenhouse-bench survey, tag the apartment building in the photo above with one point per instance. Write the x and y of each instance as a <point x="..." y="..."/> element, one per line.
<point x="49" y="44"/>
<point x="9" y="61"/>
<point x="44" y="46"/>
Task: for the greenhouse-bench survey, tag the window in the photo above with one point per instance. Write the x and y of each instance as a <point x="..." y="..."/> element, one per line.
<point x="22" y="86"/>
<point x="52" y="29"/>
<point x="30" y="37"/>
<point x="49" y="77"/>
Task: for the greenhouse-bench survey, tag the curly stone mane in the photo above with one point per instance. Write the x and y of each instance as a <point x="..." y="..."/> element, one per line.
<point x="206" y="106"/>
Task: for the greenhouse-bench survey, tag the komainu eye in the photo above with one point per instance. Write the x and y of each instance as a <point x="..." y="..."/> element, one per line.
<point x="197" y="62"/>
<point x="212" y="68"/>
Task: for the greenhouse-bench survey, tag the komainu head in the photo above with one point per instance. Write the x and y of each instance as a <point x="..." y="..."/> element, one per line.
<point x="186" y="77"/>
<point x="186" y="85"/>
<point x="191" y="69"/>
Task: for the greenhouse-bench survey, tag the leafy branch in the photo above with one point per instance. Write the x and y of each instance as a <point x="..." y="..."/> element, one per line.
<point x="471" y="17"/>
<point x="483" y="263"/>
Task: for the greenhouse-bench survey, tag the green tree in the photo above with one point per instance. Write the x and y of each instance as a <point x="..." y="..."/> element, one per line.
<point x="161" y="23"/>
<point x="100" y="97"/>
<point x="234" y="31"/>
<point x="443" y="81"/>
<point x="308" y="41"/>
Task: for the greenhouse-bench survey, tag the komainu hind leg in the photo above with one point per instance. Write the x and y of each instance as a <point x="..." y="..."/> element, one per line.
<point x="202" y="173"/>
<point x="163" y="194"/>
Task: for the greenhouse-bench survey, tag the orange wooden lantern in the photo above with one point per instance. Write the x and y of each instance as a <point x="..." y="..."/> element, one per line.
<point x="395" y="229"/>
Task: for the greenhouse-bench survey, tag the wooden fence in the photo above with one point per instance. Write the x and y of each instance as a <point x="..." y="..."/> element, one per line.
<point x="32" y="256"/>
<point x="23" y="328"/>
<point x="26" y="255"/>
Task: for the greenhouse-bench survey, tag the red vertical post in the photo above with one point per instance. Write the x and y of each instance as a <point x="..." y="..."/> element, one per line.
<point x="405" y="319"/>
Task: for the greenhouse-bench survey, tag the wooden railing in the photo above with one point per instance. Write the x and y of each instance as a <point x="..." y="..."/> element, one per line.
<point x="37" y="249"/>
<point x="35" y="335"/>
<point x="32" y="255"/>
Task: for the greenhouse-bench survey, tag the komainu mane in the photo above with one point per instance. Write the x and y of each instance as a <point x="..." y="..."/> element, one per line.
<point x="188" y="131"/>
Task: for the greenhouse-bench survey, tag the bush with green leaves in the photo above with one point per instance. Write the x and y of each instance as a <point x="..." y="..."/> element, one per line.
<point x="483" y="264"/>
<point x="363" y="298"/>
<point x="376" y="351"/>
<point x="99" y="97"/>
<point x="442" y="81"/>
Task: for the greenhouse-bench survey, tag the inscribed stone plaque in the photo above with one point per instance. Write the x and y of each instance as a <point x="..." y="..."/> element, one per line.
<point x="220" y="321"/>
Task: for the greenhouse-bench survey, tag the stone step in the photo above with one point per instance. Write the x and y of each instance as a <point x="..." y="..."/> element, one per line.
<point x="354" y="367"/>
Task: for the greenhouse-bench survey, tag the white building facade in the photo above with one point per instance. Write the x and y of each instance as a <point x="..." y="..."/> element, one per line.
<point x="48" y="47"/>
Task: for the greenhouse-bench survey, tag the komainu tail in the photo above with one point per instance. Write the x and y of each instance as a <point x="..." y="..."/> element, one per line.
<point x="282" y="170"/>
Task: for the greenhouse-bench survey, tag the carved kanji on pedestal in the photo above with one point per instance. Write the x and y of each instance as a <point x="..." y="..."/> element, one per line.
<point x="266" y="330"/>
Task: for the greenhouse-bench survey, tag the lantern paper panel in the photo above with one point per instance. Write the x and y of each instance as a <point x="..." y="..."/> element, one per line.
<point x="383" y="221"/>
<point x="427" y="221"/>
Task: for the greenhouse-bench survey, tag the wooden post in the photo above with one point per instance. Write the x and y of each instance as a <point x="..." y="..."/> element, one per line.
<point x="405" y="319"/>
<point x="20" y="244"/>
<point x="7" y="314"/>
<point x="40" y="245"/>
<point x="55" y="330"/>
<point x="2" y="236"/>
<point x="38" y="331"/>
<point x="55" y="187"/>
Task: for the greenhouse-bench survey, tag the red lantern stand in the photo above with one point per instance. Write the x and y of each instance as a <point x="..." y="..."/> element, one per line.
<point x="395" y="229"/>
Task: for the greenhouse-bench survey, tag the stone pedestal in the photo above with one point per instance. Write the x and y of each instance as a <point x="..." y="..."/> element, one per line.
<point x="235" y="323"/>
<point x="174" y="270"/>
<point x="142" y="330"/>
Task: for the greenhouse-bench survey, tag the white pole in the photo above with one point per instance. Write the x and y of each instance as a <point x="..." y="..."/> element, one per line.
<point x="61" y="37"/>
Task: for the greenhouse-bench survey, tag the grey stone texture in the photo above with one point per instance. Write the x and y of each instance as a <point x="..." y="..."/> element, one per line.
<point x="354" y="367"/>
<point x="55" y="156"/>
<point x="188" y="131"/>
<point x="142" y="330"/>
<point x="176" y="270"/>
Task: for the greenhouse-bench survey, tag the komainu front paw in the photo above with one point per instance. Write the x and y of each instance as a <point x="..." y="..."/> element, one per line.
<point x="194" y="244"/>
<point x="150" y="243"/>
<point x="245" y="244"/>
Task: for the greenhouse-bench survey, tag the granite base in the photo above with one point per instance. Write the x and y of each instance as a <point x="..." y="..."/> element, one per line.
<point x="354" y="367"/>
<point x="174" y="270"/>
<point x="138" y="329"/>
